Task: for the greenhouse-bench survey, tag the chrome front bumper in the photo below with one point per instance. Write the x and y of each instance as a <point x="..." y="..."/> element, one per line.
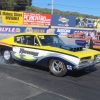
<point x="89" y="65"/>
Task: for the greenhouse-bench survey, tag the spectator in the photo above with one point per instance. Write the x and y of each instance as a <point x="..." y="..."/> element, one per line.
<point x="77" y="21"/>
<point x="92" y="35"/>
<point x="95" y="24"/>
<point x="86" y="34"/>
<point x="50" y="30"/>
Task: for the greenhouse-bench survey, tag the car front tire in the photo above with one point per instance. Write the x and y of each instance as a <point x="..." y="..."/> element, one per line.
<point x="7" y="57"/>
<point x="57" y="67"/>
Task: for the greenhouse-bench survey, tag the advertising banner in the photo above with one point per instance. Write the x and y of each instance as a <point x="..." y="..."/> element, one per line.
<point x="35" y="29"/>
<point x="36" y="19"/>
<point x="59" y="20"/>
<point x="65" y="31"/>
<point x="11" y="17"/>
<point x="19" y="29"/>
<point x="9" y="29"/>
<point x="86" y="22"/>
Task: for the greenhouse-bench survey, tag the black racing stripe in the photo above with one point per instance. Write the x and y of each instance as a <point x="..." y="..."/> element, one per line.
<point x="47" y="50"/>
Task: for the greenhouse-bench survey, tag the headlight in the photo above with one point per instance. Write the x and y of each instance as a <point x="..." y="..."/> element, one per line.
<point x="85" y="60"/>
<point x="97" y="57"/>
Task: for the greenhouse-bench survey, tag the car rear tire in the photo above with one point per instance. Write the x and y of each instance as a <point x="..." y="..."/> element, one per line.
<point x="57" y="67"/>
<point x="7" y="57"/>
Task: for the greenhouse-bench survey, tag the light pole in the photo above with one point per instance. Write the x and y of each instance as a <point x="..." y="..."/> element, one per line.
<point x="52" y="7"/>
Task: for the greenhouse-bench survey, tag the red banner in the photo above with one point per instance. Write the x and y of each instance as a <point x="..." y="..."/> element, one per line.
<point x="37" y="19"/>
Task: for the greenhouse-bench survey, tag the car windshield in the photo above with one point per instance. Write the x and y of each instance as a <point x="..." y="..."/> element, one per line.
<point x="50" y="40"/>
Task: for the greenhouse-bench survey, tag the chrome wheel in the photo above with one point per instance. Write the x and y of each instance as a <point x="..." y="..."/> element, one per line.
<point x="57" y="67"/>
<point x="6" y="55"/>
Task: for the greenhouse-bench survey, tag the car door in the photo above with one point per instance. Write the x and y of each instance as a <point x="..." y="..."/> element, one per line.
<point x="27" y="48"/>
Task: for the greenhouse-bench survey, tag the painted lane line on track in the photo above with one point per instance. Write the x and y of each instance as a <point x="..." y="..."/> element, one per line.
<point x="29" y="84"/>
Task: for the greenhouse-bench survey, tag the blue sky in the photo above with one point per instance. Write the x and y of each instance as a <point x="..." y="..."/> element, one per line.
<point x="91" y="7"/>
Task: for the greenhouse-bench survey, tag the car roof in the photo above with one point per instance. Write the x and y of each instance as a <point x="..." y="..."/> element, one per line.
<point x="30" y="33"/>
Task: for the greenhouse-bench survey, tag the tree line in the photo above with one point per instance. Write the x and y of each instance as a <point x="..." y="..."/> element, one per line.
<point x="56" y="11"/>
<point x="26" y="5"/>
<point x="14" y="5"/>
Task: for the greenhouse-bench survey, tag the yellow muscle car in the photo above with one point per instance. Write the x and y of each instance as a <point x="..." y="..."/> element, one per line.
<point x="49" y="51"/>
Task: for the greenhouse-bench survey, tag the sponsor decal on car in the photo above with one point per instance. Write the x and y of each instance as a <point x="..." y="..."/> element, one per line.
<point x="23" y="51"/>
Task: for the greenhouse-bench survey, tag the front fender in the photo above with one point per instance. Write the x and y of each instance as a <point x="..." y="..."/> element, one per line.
<point x="45" y="61"/>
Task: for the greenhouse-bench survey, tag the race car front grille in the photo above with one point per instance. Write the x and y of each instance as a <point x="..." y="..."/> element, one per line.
<point x="85" y="60"/>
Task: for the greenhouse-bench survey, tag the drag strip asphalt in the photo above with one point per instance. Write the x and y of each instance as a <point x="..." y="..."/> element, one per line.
<point x="38" y="84"/>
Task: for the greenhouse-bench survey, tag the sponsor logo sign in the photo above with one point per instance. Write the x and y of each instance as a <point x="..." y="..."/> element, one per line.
<point x="37" y="19"/>
<point x="67" y="21"/>
<point x="18" y="29"/>
<point x="62" y="31"/>
<point x="11" y="17"/>
<point x="9" y="30"/>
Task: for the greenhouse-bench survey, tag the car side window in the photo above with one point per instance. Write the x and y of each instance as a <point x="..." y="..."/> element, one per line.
<point x="28" y="39"/>
<point x="55" y="40"/>
<point x="17" y="39"/>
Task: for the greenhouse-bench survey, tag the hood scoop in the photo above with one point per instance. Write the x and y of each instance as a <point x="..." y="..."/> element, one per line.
<point x="71" y="47"/>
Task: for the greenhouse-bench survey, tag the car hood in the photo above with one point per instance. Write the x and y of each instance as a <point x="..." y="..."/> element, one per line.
<point x="82" y="52"/>
<point x="71" y="47"/>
